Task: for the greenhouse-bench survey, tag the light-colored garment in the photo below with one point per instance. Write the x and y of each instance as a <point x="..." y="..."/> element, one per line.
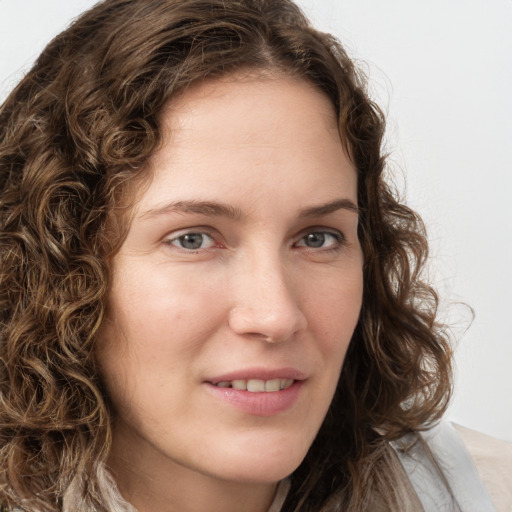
<point x="449" y="469"/>
<point x="442" y="471"/>
<point x="493" y="459"/>
<point x="281" y="493"/>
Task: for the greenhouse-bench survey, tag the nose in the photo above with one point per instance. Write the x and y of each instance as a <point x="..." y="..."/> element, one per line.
<point x="264" y="304"/>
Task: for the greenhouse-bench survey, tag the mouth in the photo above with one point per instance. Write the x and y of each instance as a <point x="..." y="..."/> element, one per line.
<point x="261" y="392"/>
<point x="256" y="385"/>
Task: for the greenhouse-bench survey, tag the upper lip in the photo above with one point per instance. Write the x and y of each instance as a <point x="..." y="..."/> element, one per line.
<point x="260" y="374"/>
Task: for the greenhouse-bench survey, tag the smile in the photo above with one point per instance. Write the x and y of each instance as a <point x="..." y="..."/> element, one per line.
<point x="257" y="385"/>
<point x="258" y="397"/>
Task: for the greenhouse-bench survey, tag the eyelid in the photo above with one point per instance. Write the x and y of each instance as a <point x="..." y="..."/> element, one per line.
<point x="200" y="230"/>
<point x="216" y="238"/>
<point x="335" y="233"/>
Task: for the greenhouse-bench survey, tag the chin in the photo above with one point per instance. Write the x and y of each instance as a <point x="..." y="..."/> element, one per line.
<point x="266" y="474"/>
<point x="267" y="463"/>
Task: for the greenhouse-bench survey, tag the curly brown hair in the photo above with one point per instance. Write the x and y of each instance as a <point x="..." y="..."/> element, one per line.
<point x="75" y="135"/>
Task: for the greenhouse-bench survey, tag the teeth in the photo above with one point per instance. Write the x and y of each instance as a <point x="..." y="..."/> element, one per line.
<point x="273" y="385"/>
<point x="257" y="385"/>
<point x="286" y="383"/>
<point x="239" y="384"/>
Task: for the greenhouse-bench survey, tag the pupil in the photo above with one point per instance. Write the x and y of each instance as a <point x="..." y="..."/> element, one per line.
<point x="315" y="239"/>
<point x="192" y="241"/>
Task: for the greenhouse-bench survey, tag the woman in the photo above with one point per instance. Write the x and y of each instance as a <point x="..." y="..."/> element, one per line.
<point x="211" y="300"/>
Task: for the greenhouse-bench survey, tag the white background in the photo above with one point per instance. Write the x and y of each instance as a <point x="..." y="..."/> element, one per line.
<point x="442" y="70"/>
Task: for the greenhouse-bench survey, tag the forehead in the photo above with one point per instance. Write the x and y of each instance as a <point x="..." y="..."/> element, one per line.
<point x="239" y="94"/>
<point x="224" y="138"/>
<point x="250" y="115"/>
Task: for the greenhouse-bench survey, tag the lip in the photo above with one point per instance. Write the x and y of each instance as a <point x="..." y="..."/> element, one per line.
<point x="260" y="403"/>
<point x="259" y="373"/>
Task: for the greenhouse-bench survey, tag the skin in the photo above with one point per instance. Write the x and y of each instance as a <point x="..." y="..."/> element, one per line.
<point x="272" y="284"/>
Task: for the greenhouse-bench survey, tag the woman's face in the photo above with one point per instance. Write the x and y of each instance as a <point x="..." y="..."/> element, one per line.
<point x="238" y="287"/>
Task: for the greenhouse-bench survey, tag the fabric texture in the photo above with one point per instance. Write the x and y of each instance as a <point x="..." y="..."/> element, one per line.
<point x="442" y="471"/>
<point x="448" y="469"/>
<point x="493" y="460"/>
<point x="453" y="468"/>
<point x="281" y="493"/>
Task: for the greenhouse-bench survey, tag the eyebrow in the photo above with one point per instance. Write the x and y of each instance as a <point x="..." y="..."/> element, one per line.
<point x="326" y="209"/>
<point x="209" y="208"/>
<point x="215" y="209"/>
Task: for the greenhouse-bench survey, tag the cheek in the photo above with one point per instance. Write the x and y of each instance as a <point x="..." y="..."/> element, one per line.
<point x="335" y="311"/>
<point x="156" y="324"/>
<point x="157" y="307"/>
<point x="333" y="316"/>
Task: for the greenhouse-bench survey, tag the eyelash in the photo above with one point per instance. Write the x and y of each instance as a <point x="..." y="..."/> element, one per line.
<point x="190" y="233"/>
<point x="337" y="236"/>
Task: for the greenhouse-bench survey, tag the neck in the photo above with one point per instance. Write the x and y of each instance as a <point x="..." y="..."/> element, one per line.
<point x="151" y="488"/>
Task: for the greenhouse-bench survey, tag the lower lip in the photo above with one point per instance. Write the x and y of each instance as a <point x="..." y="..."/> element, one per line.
<point x="259" y="404"/>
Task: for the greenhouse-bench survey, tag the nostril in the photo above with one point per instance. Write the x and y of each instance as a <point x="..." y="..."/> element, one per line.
<point x="270" y="326"/>
<point x="264" y="301"/>
<point x="263" y="337"/>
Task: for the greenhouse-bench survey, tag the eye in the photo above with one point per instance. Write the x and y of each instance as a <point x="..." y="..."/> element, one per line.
<point x="321" y="240"/>
<point x="192" y="241"/>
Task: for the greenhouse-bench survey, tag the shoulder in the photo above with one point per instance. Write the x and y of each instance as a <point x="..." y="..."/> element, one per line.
<point x="493" y="459"/>
<point x="444" y="475"/>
